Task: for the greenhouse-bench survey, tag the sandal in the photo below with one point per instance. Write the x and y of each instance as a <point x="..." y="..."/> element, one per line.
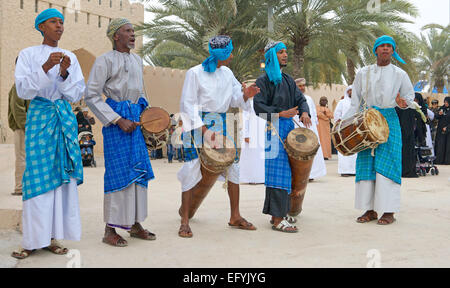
<point x="115" y="240"/>
<point x="367" y="217"/>
<point x="243" y="224"/>
<point x="143" y="234"/>
<point x="185" y="231"/>
<point x="386" y="220"/>
<point x="56" y="248"/>
<point x="22" y="253"/>
<point x="286" y="227"/>
<point x="290" y="219"/>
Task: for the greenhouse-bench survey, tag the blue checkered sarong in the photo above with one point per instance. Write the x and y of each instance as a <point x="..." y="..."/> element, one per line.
<point x="388" y="156"/>
<point x="278" y="169"/>
<point x="51" y="145"/>
<point x="216" y="122"/>
<point x="126" y="155"/>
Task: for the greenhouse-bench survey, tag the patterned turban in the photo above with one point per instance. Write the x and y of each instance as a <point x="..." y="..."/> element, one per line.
<point x="220" y="48"/>
<point x="114" y="26"/>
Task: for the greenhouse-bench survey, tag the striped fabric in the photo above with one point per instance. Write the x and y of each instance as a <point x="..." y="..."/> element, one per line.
<point x="388" y="156"/>
<point x="52" y="151"/>
<point x="126" y="155"/>
<point x="278" y="169"/>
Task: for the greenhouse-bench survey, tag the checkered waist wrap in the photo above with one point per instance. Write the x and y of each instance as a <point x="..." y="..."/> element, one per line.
<point x="388" y="156"/>
<point x="126" y="155"/>
<point x="278" y="169"/>
<point x="53" y="154"/>
<point x="215" y="122"/>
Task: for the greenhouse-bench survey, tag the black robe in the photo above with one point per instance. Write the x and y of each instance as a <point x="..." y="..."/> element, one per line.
<point x="442" y="143"/>
<point x="407" y="122"/>
<point x="275" y="99"/>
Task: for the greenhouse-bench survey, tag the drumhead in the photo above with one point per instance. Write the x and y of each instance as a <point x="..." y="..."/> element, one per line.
<point x="303" y="142"/>
<point x="377" y="125"/>
<point x="223" y="156"/>
<point x="155" y="120"/>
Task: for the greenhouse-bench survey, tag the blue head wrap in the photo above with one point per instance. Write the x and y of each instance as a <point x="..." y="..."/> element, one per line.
<point x="45" y="15"/>
<point x="387" y="40"/>
<point x="220" y="48"/>
<point x="273" y="69"/>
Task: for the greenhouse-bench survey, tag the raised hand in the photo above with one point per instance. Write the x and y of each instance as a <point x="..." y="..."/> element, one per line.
<point x="65" y="64"/>
<point x="53" y="60"/>
<point x="251" y="91"/>
<point x="289" y="113"/>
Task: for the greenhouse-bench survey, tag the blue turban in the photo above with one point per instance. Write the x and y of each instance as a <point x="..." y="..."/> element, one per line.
<point x="387" y="40"/>
<point x="45" y="15"/>
<point x="273" y="69"/>
<point x="220" y="48"/>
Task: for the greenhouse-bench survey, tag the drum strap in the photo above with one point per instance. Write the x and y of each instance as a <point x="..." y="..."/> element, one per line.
<point x="272" y="128"/>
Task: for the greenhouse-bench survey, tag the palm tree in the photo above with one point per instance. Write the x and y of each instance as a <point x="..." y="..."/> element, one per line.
<point x="192" y="23"/>
<point x="302" y="22"/>
<point x="362" y="26"/>
<point x="434" y="58"/>
<point x="344" y="25"/>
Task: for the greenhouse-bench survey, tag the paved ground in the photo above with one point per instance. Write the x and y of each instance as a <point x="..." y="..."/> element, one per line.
<point x="329" y="235"/>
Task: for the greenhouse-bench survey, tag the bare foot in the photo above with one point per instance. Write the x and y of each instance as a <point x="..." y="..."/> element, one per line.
<point x="185" y="231"/>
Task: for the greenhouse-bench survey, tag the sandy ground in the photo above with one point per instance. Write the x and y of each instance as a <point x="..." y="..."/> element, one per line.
<point x="329" y="235"/>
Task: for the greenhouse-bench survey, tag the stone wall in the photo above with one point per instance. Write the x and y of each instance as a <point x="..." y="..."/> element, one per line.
<point x="85" y="35"/>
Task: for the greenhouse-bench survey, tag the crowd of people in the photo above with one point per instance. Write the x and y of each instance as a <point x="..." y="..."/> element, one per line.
<point x="48" y="79"/>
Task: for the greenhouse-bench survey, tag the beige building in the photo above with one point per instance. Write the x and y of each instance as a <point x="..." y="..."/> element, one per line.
<point x="85" y="35"/>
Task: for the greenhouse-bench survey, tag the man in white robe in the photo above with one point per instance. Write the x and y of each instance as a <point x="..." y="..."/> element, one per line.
<point x="118" y="75"/>
<point x="252" y="160"/>
<point x="210" y="88"/>
<point x="378" y="178"/>
<point x="50" y="77"/>
<point x="319" y="169"/>
<point x="346" y="164"/>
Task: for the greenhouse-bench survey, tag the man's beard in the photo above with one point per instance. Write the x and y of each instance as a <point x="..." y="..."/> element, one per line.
<point x="283" y="65"/>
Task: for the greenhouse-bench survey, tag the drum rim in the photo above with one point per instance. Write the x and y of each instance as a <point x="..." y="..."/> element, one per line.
<point x="290" y="149"/>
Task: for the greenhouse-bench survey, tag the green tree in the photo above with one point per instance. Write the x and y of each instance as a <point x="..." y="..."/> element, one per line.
<point x="360" y="27"/>
<point x="192" y="23"/>
<point x="434" y="57"/>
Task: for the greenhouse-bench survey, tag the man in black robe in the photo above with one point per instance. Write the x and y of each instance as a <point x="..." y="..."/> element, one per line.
<point x="278" y="102"/>
<point x="407" y="119"/>
<point x="442" y="144"/>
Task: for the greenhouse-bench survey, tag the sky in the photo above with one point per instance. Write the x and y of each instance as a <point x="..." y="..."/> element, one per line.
<point x="431" y="11"/>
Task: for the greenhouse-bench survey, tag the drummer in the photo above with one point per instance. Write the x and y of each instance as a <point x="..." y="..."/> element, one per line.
<point x="378" y="177"/>
<point x="210" y="89"/>
<point x="279" y="101"/>
<point x="118" y="74"/>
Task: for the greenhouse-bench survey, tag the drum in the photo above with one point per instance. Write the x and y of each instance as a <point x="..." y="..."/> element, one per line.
<point x="301" y="146"/>
<point x="213" y="163"/>
<point x="155" y="123"/>
<point x="365" y="130"/>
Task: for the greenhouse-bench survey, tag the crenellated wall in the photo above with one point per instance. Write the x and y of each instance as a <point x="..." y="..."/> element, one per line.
<point x="85" y="35"/>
